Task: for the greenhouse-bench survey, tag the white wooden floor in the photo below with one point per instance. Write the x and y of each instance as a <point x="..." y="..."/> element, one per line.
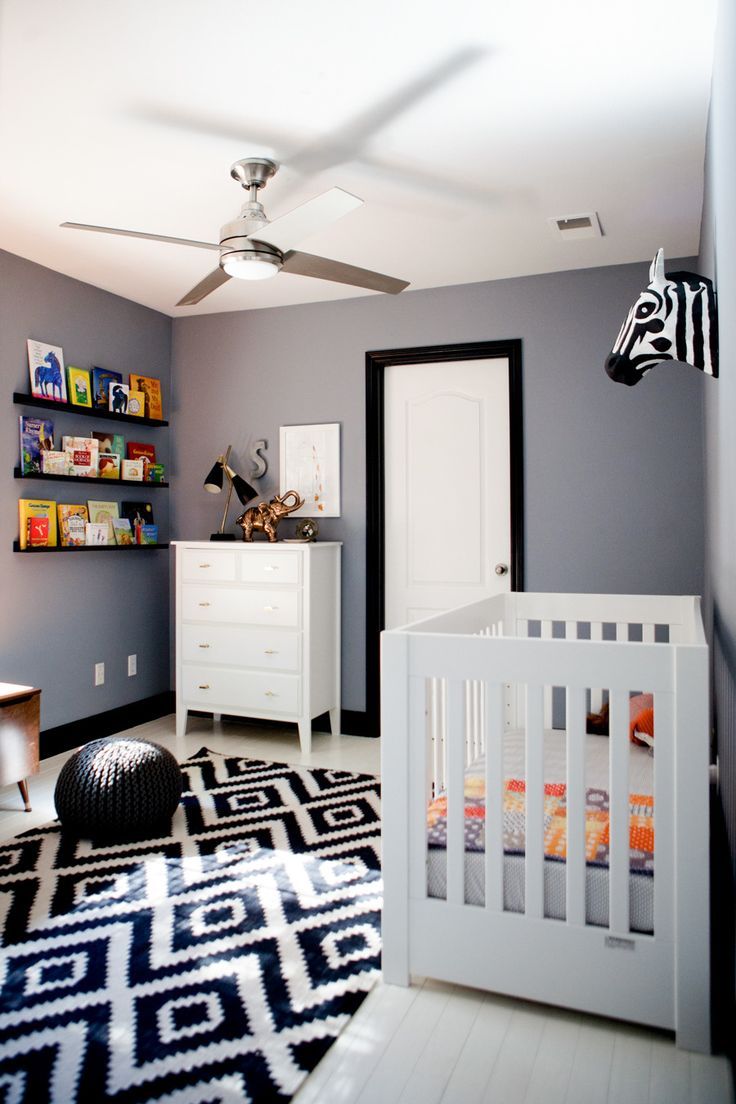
<point x="433" y="1042"/>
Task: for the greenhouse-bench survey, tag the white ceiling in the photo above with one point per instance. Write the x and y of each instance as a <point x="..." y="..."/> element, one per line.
<point x="463" y="125"/>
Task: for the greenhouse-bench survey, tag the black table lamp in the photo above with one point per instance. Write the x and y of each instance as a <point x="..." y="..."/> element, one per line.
<point x="214" y="483"/>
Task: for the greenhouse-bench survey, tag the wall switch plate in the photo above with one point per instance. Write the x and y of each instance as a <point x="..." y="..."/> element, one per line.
<point x="132" y="665"/>
<point x="99" y="674"/>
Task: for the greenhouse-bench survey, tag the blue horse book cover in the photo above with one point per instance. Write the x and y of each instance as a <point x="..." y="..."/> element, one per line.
<point x="46" y="367"/>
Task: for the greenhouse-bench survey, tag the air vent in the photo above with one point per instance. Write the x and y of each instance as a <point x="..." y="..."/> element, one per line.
<point x="575" y="227"/>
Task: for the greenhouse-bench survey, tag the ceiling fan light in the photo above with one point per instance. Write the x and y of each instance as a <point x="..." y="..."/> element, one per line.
<point x="244" y="266"/>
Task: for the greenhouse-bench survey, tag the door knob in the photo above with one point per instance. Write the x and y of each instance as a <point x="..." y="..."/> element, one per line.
<point x="502" y="569"/>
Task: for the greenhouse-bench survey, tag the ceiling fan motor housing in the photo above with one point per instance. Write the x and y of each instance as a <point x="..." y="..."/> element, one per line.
<point x="234" y="240"/>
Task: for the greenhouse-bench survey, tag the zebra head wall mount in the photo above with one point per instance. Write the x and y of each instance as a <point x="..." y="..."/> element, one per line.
<point x="674" y="318"/>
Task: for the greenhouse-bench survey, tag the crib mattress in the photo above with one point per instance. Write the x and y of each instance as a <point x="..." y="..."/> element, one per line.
<point x="641" y="885"/>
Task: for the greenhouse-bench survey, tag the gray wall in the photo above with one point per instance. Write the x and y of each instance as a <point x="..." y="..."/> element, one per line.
<point x="63" y="613"/>
<point x="613" y="475"/>
<point x="718" y="259"/>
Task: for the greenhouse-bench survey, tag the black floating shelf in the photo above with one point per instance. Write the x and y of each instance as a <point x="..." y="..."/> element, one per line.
<point x="89" y="548"/>
<point x="21" y="399"/>
<point x="89" y="479"/>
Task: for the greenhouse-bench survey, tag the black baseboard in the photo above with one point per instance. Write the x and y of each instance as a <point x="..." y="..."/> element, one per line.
<point x="65" y="737"/>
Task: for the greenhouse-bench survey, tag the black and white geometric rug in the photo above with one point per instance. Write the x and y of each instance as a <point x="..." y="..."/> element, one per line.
<point x="217" y="964"/>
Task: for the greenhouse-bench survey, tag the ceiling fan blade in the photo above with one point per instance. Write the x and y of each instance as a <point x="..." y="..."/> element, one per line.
<point x="215" y="279"/>
<point x="138" y="234"/>
<point x="307" y="218"/>
<point x="306" y="264"/>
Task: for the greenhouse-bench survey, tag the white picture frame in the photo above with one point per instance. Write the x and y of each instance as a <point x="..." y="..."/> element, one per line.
<point x="309" y="462"/>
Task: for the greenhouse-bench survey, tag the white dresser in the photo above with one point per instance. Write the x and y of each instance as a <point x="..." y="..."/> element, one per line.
<point x="258" y="631"/>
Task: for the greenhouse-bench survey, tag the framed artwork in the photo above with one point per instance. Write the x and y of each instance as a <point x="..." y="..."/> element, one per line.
<point x="309" y="458"/>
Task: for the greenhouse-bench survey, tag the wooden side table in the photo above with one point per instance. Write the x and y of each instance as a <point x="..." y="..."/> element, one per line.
<point x="20" y="710"/>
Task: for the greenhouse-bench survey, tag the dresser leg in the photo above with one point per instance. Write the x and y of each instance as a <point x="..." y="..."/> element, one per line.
<point x="305" y="736"/>
<point x="335" y="721"/>
<point x="23" y="787"/>
<point x="181" y="723"/>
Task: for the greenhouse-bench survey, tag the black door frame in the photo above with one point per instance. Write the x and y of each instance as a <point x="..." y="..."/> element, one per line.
<point x="375" y="366"/>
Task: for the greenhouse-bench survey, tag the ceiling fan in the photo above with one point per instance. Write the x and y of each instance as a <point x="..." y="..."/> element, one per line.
<point x="252" y="248"/>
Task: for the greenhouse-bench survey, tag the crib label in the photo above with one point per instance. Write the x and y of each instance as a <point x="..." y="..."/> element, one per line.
<point x="615" y="943"/>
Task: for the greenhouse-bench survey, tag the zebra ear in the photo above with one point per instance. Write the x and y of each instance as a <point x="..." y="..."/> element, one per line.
<point x="656" y="269"/>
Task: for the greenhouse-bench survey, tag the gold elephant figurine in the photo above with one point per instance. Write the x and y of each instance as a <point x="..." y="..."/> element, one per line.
<point x="265" y="517"/>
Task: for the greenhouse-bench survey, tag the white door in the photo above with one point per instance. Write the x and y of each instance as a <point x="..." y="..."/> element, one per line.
<point x="447" y="486"/>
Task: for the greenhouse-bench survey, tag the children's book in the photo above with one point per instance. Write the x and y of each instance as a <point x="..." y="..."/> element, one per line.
<point x="155" y="473"/>
<point x="147" y="534"/>
<point x="134" y="450"/>
<point x="102" y="513"/>
<point x="38" y="532"/>
<point x="72" y="524"/>
<point x="137" y="513"/>
<point x="101" y="380"/>
<point x="36" y="436"/>
<point x="118" y="397"/>
<point x="151" y="388"/>
<point x="83" y="453"/>
<point x="108" y="465"/>
<point x="46" y="367"/>
<point x="32" y="508"/>
<point x="137" y="403"/>
<point x="54" y="463"/>
<point x="110" y="442"/>
<point x="123" y="531"/>
<point x="80" y="386"/>
<point x="96" y="533"/>
<point x="133" y="469"/>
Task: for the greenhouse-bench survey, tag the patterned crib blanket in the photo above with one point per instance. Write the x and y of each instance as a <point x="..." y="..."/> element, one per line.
<point x="641" y="822"/>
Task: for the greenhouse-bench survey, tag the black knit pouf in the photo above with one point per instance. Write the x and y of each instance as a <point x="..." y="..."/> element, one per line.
<point x="118" y="789"/>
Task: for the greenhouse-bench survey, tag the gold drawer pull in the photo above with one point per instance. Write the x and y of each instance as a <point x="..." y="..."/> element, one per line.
<point x="270" y="609"/>
<point x="204" y="686"/>
<point x="205" y="565"/>
<point x="270" y="651"/>
<point x="270" y="694"/>
<point x="204" y="603"/>
<point x="204" y="645"/>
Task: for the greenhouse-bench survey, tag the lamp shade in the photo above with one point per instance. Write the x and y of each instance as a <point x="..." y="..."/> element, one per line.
<point x="243" y="490"/>
<point x="213" y="482"/>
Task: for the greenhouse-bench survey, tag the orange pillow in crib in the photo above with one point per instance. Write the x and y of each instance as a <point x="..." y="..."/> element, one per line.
<point x="641" y="729"/>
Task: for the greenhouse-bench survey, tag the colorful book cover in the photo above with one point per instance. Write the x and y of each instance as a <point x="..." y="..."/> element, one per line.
<point x="108" y="465"/>
<point x="38" y="532"/>
<point x="151" y="388"/>
<point x="155" y="473"/>
<point x="72" y="524"/>
<point x="147" y="534"/>
<point x="123" y="531"/>
<point x="96" y="533"/>
<point x="54" y="463"/>
<point x="83" y="454"/>
<point x="102" y="513"/>
<point x="80" y="386"/>
<point x="134" y="450"/>
<point x="133" y="469"/>
<point x="137" y="403"/>
<point x="110" y="442"/>
<point x="36" y="436"/>
<point x="140" y="513"/>
<point x="118" y="397"/>
<point x="36" y="507"/>
<point x="46" y="368"/>
<point x="101" y="380"/>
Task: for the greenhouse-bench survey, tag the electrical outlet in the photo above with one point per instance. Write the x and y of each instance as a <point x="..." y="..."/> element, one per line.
<point x="99" y="674"/>
<point x="132" y="665"/>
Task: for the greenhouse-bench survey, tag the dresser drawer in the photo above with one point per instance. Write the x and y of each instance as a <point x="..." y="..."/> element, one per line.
<point x="240" y="647"/>
<point x="270" y="567"/>
<point x="203" y="563"/>
<point x="217" y="690"/>
<point x="241" y="605"/>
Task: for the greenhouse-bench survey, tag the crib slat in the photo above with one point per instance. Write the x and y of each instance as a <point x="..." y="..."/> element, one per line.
<point x="534" y="861"/>
<point x="622" y="630"/>
<point x="575" y="870"/>
<point x="455" y="749"/>
<point x="419" y="735"/>
<point x="434" y="734"/>
<point x="664" y="817"/>
<point x="618" y="860"/>
<point x="596" y="693"/>
<point x="571" y="630"/>
<point x="494" y="727"/>
<point x="647" y="634"/>
<point x="546" y="634"/>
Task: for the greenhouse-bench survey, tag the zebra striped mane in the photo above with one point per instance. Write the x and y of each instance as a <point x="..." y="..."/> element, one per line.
<point x="674" y="318"/>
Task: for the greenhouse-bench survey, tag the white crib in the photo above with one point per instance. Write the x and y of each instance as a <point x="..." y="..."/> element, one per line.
<point x="458" y="686"/>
